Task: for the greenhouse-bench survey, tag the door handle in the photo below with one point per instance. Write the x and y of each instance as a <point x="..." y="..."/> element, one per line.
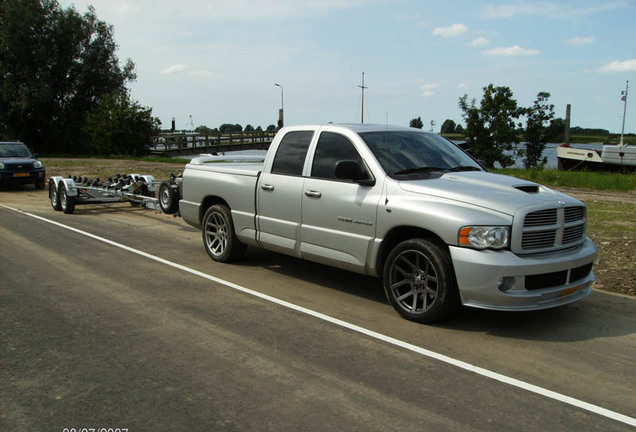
<point x="313" y="194"/>
<point x="267" y="187"/>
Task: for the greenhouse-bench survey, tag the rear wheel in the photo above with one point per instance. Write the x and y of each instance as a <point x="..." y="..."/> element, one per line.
<point x="67" y="203"/>
<point x="219" y="238"/>
<point x="54" y="196"/>
<point x="419" y="281"/>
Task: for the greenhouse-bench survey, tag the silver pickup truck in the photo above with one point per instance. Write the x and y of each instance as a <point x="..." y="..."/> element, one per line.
<point x="400" y="204"/>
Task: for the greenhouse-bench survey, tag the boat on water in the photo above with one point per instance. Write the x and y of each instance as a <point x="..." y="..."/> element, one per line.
<point x="619" y="156"/>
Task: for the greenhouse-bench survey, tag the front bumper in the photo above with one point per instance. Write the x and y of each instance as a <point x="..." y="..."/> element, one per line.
<point x="22" y="177"/>
<point x="501" y="280"/>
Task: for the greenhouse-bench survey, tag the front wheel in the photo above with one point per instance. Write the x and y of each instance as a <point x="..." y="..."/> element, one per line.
<point x="419" y="281"/>
<point x="219" y="238"/>
<point x="67" y="203"/>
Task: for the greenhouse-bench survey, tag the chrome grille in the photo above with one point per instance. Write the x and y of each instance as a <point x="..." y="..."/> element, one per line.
<point x="537" y="240"/>
<point x="553" y="229"/>
<point x="540" y="218"/>
<point x="572" y="214"/>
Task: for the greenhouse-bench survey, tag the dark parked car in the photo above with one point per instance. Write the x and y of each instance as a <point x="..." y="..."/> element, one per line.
<point x="18" y="166"/>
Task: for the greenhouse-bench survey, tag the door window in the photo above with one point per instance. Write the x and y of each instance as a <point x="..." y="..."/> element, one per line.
<point x="290" y="156"/>
<point x="331" y="149"/>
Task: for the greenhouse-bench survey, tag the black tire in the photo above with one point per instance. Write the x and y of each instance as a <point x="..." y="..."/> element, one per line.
<point x="219" y="238"/>
<point x="39" y="184"/>
<point x="67" y="203"/>
<point x="419" y="281"/>
<point x="54" y="196"/>
<point x="168" y="197"/>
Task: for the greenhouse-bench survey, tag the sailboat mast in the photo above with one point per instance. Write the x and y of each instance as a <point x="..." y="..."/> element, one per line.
<point x="624" y="98"/>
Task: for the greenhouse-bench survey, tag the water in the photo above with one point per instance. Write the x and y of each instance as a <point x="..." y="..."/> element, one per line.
<point x="550" y="152"/>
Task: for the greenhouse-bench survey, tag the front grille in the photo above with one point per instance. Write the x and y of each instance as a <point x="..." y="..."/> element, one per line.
<point x="572" y="214"/>
<point x="580" y="272"/>
<point x="555" y="279"/>
<point x="553" y="229"/>
<point x="540" y="218"/>
<point x="539" y="239"/>
<point x="18" y="167"/>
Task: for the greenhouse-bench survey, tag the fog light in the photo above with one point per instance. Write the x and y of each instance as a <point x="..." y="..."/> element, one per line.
<point x="506" y="284"/>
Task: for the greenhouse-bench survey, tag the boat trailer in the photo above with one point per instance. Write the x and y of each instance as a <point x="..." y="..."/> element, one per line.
<point x="139" y="190"/>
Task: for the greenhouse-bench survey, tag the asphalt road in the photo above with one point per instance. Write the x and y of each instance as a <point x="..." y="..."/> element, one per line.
<point x="94" y="335"/>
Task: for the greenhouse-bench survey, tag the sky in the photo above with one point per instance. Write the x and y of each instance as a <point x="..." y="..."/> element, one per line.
<point x="209" y="62"/>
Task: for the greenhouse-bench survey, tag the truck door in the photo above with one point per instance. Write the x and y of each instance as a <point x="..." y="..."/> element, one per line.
<point x="279" y="193"/>
<point x="338" y="216"/>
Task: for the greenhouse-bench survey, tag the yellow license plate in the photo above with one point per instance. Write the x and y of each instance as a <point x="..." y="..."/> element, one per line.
<point x="21" y="174"/>
<point x="568" y="291"/>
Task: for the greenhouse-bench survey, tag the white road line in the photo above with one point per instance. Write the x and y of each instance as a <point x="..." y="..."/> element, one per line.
<point x="370" y="333"/>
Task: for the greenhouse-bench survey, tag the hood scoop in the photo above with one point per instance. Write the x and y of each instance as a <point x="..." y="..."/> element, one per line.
<point x="532" y="189"/>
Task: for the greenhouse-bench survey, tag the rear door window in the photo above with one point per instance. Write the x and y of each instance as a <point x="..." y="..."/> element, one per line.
<point x="291" y="153"/>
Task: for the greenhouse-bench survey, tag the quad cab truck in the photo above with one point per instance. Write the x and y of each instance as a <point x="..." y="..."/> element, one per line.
<point x="396" y="203"/>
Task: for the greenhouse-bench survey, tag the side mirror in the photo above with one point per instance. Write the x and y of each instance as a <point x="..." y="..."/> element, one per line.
<point x="352" y="170"/>
<point x="36" y="155"/>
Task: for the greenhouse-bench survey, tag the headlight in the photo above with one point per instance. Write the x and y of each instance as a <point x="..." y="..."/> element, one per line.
<point x="1" y="165"/>
<point x="483" y="237"/>
<point x="37" y="164"/>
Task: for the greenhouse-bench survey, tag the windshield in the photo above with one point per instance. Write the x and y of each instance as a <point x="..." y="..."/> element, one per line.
<point x="406" y="155"/>
<point x="14" y="150"/>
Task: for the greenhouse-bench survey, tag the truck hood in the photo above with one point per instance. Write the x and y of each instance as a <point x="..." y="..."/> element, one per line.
<point x="493" y="191"/>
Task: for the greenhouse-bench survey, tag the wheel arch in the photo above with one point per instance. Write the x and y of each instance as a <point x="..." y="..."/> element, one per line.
<point x="402" y="233"/>
<point x="208" y="202"/>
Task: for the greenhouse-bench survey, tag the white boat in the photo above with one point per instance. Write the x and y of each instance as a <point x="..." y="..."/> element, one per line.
<point x="619" y="156"/>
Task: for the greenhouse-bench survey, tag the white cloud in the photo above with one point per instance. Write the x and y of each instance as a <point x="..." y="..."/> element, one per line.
<point x="581" y="40"/>
<point x="175" y="69"/>
<point x="620" y="66"/>
<point x="479" y="42"/>
<point x="512" y="51"/>
<point x="454" y="30"/>
<point x="429" y="89"/>
<point x="548" y="9"/>
<point x="181" y="69"/>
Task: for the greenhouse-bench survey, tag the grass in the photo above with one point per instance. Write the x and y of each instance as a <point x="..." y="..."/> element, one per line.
<point x="611" y="219"/>
<point x="577" y="179"/>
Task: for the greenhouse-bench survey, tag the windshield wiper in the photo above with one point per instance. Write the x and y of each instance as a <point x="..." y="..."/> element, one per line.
<point x="464" y="168"/>
<point x="419" y="170"/>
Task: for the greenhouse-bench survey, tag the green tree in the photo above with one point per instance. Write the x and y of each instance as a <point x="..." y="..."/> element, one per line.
<point x="491" y="129"/>
<point x="416" y="123"/>
<point x="448" y="126"/>
<point x="203" y="130"/>
<point x="556" y="130"/>
<point x="536" y="131"/>
<point x="120" y="126"/>
<point x="459" y="129"/>
<point x="55" y="65"/>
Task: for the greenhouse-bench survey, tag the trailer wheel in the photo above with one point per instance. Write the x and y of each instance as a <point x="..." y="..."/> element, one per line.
<point x="67" y="203"/>
<point x="219" y="238"/>
<point x="419" y="281"/>
<point x="54" y="196"/>
<point x="168" y="197"/>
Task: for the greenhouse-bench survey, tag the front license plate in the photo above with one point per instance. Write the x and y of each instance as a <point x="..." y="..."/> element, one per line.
<point x="568" y="291"/>
<point x="21" y="174"/>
